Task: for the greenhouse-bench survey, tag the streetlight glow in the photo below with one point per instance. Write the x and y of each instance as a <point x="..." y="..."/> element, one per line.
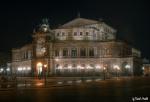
<point x="39" y="64"/>
<point x="116" y="67"/>
<point x="60" y="67"/>
<point x="143" y="68"/>
<point x="1" y="70"/>
<point x="28" y="68"/>
<point x="78" y="67"/>
<point x="45" y="65"/>
<point x="89" y="67"/>
<point x="24" y="68"/>
<point x="19" y="69"/>
<point x="70" y="67"/>
<point x="8" y="69"/>
<point x="98" y="67"/>
<point x="56" y="59"/>
<point x="127" y="66"/>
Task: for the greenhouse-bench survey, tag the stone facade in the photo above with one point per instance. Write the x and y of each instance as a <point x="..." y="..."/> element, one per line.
<point x="81" y="47"/>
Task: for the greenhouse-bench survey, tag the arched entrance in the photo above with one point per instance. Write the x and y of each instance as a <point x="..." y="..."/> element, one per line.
<point x="39" y="69"/>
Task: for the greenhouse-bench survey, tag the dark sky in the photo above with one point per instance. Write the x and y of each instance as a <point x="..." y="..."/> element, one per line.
<point x="129" y="17"/>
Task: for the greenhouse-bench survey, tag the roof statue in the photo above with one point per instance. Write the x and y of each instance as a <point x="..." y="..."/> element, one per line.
<point x="44" y="26"/>
<point x="45" y="21"/>
<point x="78" y="16"/>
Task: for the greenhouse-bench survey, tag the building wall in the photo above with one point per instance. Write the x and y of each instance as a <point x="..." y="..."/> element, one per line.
<point x="90" y="65"/>
<point x="89" y="49"/>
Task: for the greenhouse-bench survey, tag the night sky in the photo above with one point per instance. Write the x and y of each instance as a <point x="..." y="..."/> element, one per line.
<point x="131" y="18"/>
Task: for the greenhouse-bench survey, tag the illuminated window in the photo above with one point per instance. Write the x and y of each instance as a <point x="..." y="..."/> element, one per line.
<point x="82" y="52"/>
<point x="73" y="52"/>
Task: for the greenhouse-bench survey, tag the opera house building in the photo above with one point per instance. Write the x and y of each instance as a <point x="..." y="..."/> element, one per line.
<point x="81" y="47"/>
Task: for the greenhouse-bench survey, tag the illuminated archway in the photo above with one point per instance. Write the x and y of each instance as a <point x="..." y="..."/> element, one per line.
<point x="39" y="68"/>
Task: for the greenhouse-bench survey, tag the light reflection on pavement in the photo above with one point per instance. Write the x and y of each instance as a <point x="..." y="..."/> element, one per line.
<point x="96" y="90"/>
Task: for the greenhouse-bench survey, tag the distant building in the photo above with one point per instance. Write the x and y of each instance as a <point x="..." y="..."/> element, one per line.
<point x="81" y="47"/>
<point x="146" y="67"/>
<point x="4" y="58"/>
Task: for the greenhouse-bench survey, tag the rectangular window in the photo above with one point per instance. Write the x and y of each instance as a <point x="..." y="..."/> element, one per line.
<point x="57" y="34"/>
<point x="56" y="53"/>
<point x="91" y="52"/>
<point x="87" y="33"/>
<point x="63" y="33"/>
<point x="81" y="33"/>
<point x="74" y="52"/>
<point x="82" y="52"/>
<point x="65" y="52"/>
<point x="75" y="33"/>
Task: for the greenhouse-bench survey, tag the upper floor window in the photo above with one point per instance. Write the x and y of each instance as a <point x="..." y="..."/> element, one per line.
<point x="87" y="33"/>
<point x="74" y="52"/>
<point x="82" y="52"/>
<point x="91" y="52"/>
<point x="75" y="33"/>
<point x="57" y="34"/>
<point x="56" y="53"/>
<point x="65" y="52"/>
<point x="24" y="55"/>
<point x="63" y="33"/>
<point x="81" y="33"/>
<point x="29" y="54"/>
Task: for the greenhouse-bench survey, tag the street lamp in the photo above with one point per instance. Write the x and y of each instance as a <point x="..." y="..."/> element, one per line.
<point x="1" y="70"/>
<point x="45" y="68"/>
<point x="104" y="69"/>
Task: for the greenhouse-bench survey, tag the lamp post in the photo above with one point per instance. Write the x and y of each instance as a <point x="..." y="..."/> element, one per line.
<point x="45" y="68"/>
<point x="104" y="69"/>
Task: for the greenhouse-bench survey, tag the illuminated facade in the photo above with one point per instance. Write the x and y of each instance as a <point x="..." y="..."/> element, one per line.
<point x="81" y="47"/>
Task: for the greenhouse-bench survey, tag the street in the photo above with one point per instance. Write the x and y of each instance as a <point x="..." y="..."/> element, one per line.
<point x="111" y="90"/>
